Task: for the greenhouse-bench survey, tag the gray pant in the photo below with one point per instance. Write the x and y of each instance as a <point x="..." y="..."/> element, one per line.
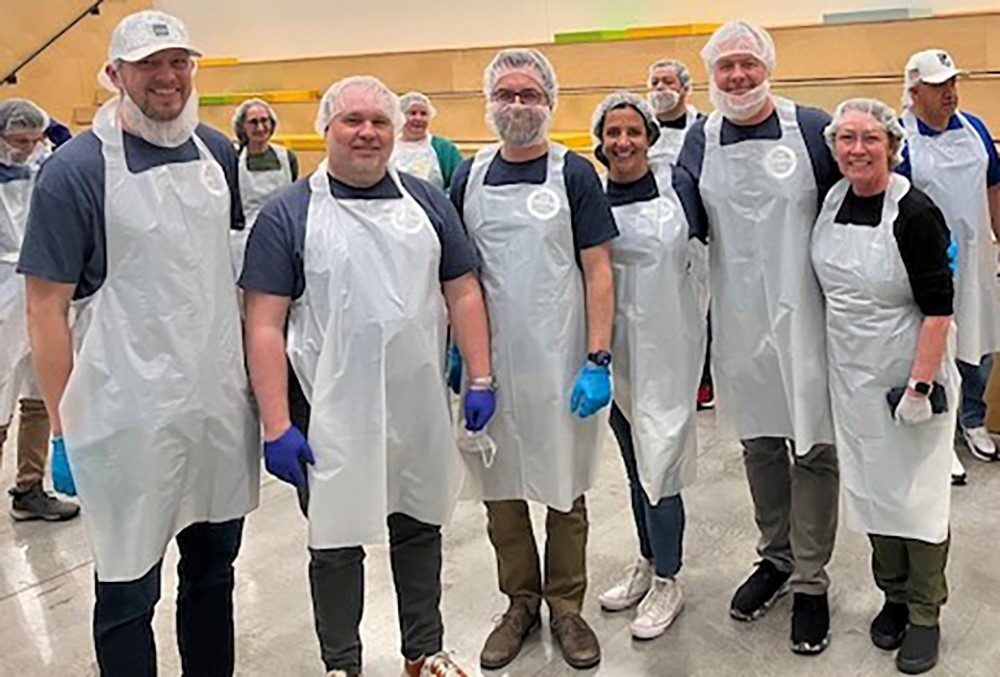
<point x="795" y="506"/>
<point x="337" y="579"/>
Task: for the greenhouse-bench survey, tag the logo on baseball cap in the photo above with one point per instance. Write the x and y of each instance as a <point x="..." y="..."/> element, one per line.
<point x="932" y="66"/>
<point x="144" y="33"/>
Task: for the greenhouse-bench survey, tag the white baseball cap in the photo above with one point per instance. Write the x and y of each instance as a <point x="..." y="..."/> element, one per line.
<point x="143" y="33"/>
<point x="932" y="66"/>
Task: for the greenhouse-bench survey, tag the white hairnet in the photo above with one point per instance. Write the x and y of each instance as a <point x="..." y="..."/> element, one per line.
<point x="683" y="75"/>
<point x="240" y="117"/>
<point x="525" y="60"/>
<point x="332" y="103"/>
<point x="411" y="99"/>
<point x="739" y="36"/>
<point x="883" y="114"/>
<point x="624" y="99"/>
<point x="18" y="115"/>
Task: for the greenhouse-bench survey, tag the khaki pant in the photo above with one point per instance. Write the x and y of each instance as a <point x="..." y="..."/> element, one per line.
<point x="509" y="527"/>
<point x="795" y="506"/>
<point x="32" y="443"/>
<point x="911" y="572"/>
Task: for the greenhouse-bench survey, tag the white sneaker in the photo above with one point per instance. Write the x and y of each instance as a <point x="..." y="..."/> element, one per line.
<point x="658" y="608"/>
<point x="336" y="673"/>
<point x="440" y="664"/>
<point x="980" y="443"/>
<point x="633" y="586"/>
<point x="958" y="476"/>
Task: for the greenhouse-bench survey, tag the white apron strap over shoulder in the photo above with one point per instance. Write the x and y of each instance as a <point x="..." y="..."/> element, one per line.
<point x="367" y="342"/>
<point x="256" y="188"/>
<point x="156" y="415"/>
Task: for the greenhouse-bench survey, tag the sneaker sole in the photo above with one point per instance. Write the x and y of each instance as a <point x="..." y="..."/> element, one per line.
<point x="807" y="649"/>
<point x="621" y="606"/>
<point x="915" y="668"/>
<point x="887" y="642"/>
<point x="977" y="452"/>
<point x="761" y="610"/>
<point x="25" y="516"/>
<point x="536" y="624"/>
<point x="645" y="634"/>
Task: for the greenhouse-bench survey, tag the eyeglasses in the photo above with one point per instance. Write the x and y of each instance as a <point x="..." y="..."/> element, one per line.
<point x="529" y="97"/>
<point x="259" y="122"/>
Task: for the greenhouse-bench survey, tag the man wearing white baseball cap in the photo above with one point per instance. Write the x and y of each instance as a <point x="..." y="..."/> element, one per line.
<point x="949" y="154"/>
<point x="129" y="226"/>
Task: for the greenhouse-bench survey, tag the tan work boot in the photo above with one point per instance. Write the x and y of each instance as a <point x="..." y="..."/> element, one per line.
<point x="577" y="641"/>
<point x="504" y="643"/>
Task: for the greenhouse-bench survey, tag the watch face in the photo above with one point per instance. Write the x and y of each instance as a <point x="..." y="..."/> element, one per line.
<point x="601" y="358"/>
<point x="922" y="387"/>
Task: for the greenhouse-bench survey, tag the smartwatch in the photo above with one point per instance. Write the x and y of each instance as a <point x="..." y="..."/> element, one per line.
<point x="922" y="387"/>
<point x="601" y="358"/>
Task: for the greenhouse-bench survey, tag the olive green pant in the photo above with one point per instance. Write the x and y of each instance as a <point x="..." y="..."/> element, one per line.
<point x="32" y="443"/>
<point x="509" y="527"/>
<point x="911" y="572"/>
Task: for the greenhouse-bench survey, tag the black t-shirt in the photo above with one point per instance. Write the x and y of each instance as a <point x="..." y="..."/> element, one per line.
<point x="922" y="237"/>
<point x="646" y="189"/>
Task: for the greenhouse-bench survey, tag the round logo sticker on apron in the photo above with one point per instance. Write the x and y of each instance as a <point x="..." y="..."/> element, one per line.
<point x="780" y="162"/>
<point x="543" y="203"/>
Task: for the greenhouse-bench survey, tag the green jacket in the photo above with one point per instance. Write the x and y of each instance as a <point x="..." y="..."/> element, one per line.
<point x="449" y="157"/>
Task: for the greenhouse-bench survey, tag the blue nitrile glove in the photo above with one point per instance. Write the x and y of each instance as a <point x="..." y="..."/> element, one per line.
<point x="480" y="404"/>
<point x="953" y="256"/>
<point x="62" y="476"/>
<point x="592" y="390"/>
<point x="454" y="369"/>
<point x="285" y="456"/>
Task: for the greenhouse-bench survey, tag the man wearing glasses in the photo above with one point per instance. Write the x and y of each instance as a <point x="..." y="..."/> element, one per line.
<point x="541" y="223"/>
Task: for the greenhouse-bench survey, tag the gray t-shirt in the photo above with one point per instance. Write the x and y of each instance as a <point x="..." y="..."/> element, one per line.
<point x="274" y="257"/>
<point x="65" y="240"/>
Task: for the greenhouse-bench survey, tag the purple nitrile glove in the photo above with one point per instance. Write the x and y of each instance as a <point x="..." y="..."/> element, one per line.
<point x="285" y="457"/>
<point x="479" y="406"/>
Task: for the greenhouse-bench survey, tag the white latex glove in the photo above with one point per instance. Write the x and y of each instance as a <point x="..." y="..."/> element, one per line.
<point x="913" y="409"/>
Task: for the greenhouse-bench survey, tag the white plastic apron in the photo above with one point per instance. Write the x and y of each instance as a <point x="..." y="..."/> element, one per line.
<point x="895" y="479"/>
<point x="661" y="297"/>
<point x="256" y="188"/>
<point x="418" y="158"/>
<point x="668" y="146"/>
<point x="156" y="415"/>
<point x="951" y="168"/>
<point x="535" y="298"/>
<point x="768" y="354"/>
<point x="367" y="342"/>
<point x="17" y="374"/>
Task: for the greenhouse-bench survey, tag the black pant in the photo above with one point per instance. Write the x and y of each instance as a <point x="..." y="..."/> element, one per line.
<point x="123" y="613"/>
<point x="337" y="579"/>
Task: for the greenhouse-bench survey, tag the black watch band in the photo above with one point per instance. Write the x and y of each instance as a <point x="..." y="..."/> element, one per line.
<point x="601" y="358"/>
<point x="922" y="387"/>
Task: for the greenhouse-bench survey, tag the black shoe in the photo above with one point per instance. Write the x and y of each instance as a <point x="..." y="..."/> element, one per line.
<point x="37" y="504"/>
<point x="810" y="624"/>
<point x="765" y="585"/>
<point x="919" y="652"/>
<point x="889" y="626"/>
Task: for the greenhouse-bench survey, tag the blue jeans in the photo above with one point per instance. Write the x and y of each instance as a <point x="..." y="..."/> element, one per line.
<point x="974" y="376"/>
<point x="660" y="527"/>
<point x="123" y="613"/>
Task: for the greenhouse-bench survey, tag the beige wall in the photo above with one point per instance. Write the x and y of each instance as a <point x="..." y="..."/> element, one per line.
<point x="65" y="75"/>
<point x="267" y="30"/>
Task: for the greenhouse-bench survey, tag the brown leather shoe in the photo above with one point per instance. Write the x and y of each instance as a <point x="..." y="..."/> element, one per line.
<point x="577" y="641"/>
<point x="504" y="643"/>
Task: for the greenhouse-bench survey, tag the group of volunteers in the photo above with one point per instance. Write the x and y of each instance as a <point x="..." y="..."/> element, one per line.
<point x="828" y="243"/>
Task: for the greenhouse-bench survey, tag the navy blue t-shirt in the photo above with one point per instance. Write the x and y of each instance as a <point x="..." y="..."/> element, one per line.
<point x="646" y="189"/>
<point x="812" y="122"/>
<point x="65" y="239"/>
<point x="590" y="212"/>
<point x="274" y="255"/>
<point x="992" y="170"/>
<point x="9" y="173"/>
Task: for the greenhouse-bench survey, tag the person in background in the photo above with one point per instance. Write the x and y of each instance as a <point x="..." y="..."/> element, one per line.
<point x="417" y="151"/>
<point x="880" y="251"/>
<point x="22" y="130"/>
<point x="950" y="156"/>
<point x="661" y="297"/>
<point x="541" y="224"/>
<point x="265" y="168"/>
<point x="763" y="168"/>
<point x="669" y="86"/>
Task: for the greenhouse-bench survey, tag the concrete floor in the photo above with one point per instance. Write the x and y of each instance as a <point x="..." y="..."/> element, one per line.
<point x="46" y="590"/>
